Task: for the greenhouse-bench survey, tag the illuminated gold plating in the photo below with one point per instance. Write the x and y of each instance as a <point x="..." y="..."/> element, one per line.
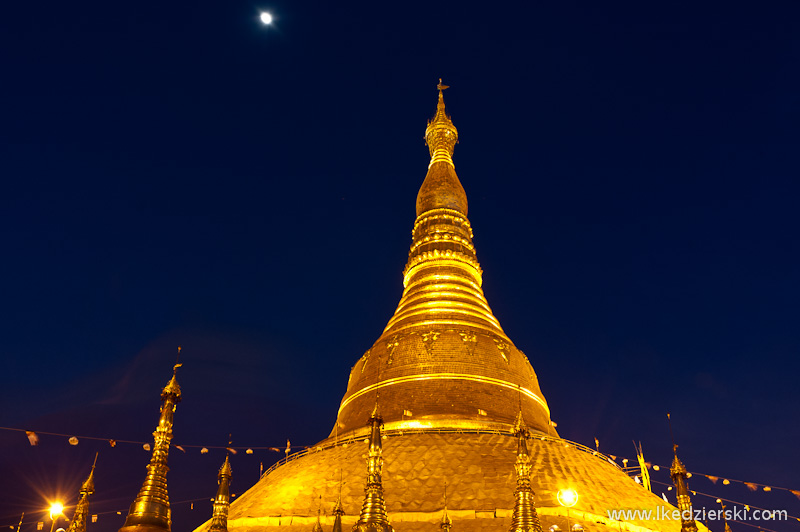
<point x="78" y="523"/>
<point x="222" y="501"/>
<point x="444" y="376"/>
<point x="150" y="510"/>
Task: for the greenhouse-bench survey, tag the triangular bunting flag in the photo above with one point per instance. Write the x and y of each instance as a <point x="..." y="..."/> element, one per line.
<point x="751" y="486"/>
<point x="712" y="478"/>
<point x="32" y="437"/>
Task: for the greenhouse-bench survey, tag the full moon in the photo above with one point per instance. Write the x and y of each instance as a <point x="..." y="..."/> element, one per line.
<point x="266" y="18"/>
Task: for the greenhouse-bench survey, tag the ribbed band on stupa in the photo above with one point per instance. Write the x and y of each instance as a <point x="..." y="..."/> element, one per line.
<point x="445" y="361"/>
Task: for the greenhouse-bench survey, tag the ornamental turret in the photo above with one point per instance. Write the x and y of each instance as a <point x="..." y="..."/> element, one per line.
<point x="446" y="523"/>
<point x="680" y="478"/>
<point x="338" y="512"/>
<point x="373" y="517"/>
<point x="150" y="511"/>
<point x="78" y="523"/>
<point x="443" y="337"/>
<point x="524" y="518"/>
<point x="222" y="500"/>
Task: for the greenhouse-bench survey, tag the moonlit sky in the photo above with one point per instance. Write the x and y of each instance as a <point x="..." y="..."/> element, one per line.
<point x="181" y="174"/>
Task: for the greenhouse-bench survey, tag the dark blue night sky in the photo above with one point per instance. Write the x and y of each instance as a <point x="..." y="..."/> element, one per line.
<point x="175" y="173"/>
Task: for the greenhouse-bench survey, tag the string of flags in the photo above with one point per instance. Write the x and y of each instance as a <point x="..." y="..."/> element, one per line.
<point x="752" y="486"/>
<point x="718" y="499"/>
<point x="33" y="439"/>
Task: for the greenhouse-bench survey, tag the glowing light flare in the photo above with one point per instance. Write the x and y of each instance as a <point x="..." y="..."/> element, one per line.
<point x="567" y="497"/>
<point x="266" y="18"/>
<point x="56" y="509"/>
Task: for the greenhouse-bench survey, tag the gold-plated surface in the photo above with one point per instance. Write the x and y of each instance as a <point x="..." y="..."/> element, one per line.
<point x="373" y="516"/>
<point x="222" y="500"/>
<point x="481" y="480"/>
<point x="150" y="511"/>
<point x="78" y="523"/>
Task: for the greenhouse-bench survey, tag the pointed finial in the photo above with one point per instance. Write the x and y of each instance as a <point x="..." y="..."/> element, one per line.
<point x="446" y="522"/>
<point x="672" y="436"/>
<point x="222" y="500"/>
<point x="151" y="506"/>
<point x="441" y="135"/>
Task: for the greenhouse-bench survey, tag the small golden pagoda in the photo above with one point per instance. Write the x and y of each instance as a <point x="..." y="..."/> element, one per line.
<point x="222" y="500"/>
<point x="459" y="403"/>
<point x="150" y="511"/>
<point x="78" y="523"/>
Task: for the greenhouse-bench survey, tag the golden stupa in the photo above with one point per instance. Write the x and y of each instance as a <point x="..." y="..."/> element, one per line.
<point x="459" y="405"/>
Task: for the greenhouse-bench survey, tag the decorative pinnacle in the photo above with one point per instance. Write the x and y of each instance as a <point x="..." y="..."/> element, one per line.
<point x="88" y="485"/>
<point x="151" y="508"/>
<point x="78" y="523"/>
<point x="172" y="387"/>
<point x="679" y="477"/>
<point x="446" y="523"/>
<point x="222" y="501"/>
<point x="525" y="518"/>
<point x="441" y="135"/>
<point x="373" y="517"/>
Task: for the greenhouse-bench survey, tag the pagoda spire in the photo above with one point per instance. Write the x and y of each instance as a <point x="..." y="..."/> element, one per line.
<point x="680" y="479"/>
<point x="524" y="518"/>
<point x="78" y="523"/>
<point x="222" y="501"/>
<point x="150" y="511"/>
<point x="373" y="517"/>
<point x="441" y="188"/>
<point x="446" y="523"/>
<point x="443" y="332"/>
<point x="338" y="512"/>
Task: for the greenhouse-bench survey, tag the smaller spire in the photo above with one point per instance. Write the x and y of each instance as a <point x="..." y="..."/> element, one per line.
<point x="338" y="512"/>
<point x="318" y="525"/>
<point x="150" y="509"/>
<point x="222" y="500"/>
<point x="78" y="523"/>
<point x="373" y="517"/>
<point x="525" y="518"/>
<point x="680" y="479"/>
<point x="724" y="516"/>
<point x="446" y="524"/>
